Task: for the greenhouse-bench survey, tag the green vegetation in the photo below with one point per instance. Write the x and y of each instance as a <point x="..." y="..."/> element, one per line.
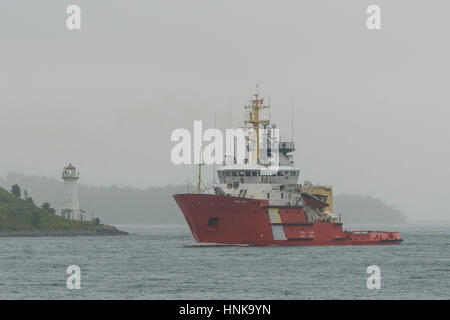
<point x="22" y="215"/>
<point x="15" y="190"/>
<point x="46" y="206"/>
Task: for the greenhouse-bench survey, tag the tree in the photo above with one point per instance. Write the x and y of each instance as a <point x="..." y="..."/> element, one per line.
<point x="25" y="194"/>
<point x="46" y="206"/>
<point x="15" y="190"/>
<point x="30" y="200"/>
<point x="96" y="221"/>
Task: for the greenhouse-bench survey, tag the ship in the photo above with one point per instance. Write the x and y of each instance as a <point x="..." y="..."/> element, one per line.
<point x="260" y="202"/>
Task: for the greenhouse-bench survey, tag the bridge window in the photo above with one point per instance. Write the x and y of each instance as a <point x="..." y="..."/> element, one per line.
<point x="254" y="173"/>
<point x="247" y="173"/>
<point x="280" y="173"/>
<point x="234" y="173"/>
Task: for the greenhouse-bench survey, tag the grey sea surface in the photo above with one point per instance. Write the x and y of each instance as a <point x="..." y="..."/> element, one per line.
<point x="164" y="262"/>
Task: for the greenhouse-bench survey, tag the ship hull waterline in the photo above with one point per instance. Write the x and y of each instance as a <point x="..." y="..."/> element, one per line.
<point x="218" y="219"/>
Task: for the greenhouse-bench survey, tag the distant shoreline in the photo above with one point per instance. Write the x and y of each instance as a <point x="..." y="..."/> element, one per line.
<point x="102" y="230"/>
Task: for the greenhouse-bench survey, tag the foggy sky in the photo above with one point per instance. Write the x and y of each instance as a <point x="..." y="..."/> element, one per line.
<point x="371" y="107"/>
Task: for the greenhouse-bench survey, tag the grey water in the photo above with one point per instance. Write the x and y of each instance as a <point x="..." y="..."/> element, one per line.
<point x="155" y="262"/>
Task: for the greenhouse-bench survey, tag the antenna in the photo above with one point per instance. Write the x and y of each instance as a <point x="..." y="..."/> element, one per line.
<point x="215" y="151"/>
<point x="234" y="150"/>
<point x="229" y="113"/>
<point x="292" y="120"/>
<point x="228" y="156"/>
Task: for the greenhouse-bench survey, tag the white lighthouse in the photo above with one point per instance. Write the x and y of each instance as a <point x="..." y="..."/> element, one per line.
<point x="70" y="208"/>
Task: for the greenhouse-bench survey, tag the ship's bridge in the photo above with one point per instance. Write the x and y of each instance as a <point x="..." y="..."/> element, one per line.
<point x="253" y="173"/>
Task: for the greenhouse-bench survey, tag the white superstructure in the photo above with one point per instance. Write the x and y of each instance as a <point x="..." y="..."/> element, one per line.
<point x="269" y="171"/>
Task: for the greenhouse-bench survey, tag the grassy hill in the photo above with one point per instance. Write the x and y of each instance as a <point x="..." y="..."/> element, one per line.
<point x="20" y="215"/>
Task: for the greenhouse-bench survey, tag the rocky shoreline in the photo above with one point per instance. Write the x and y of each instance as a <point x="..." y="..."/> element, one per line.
<point x="101" y="230"/>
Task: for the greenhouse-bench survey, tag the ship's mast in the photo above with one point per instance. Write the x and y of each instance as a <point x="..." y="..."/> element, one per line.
<point x="256" y="105"/>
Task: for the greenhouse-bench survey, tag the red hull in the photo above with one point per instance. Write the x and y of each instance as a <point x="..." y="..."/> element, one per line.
<point x="233" y="220"/>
